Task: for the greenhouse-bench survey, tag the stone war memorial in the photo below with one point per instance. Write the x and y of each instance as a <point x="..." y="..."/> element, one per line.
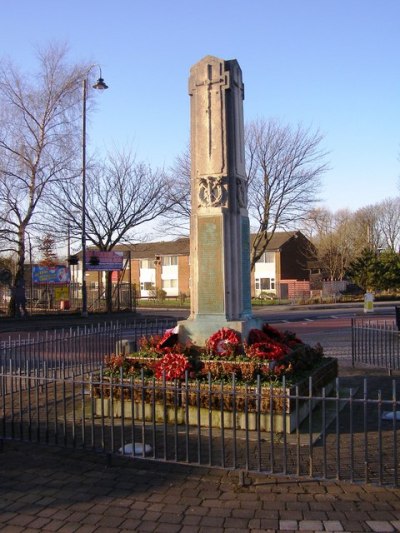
<point x="221" y="367"/>
<point x="219" y="225"/>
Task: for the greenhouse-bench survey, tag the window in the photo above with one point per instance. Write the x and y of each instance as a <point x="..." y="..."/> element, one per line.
<point x="267" y="257"/>
<point x="169" y="260"/>
<point x="169" y="283"/>
<point x="147" y="286"/>
<point x="147" y="263"/>
<point x="265" y="284"/>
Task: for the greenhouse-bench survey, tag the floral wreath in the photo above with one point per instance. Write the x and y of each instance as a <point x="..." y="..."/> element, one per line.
<point x="224" y="343"/>
<point x="172" y="366"/>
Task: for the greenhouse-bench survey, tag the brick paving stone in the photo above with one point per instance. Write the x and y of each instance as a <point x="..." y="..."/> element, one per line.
<point x="332" y="525"/>
<point x="189" y="529"/>
<point x="151" y="516"/>
<point x="241" y="513"/>
<point x="254" y="523"/>
<point x="130" y="524"/>
<point x="337" y="515"/>
<point x="20" y="520"/>
<point x="92" y="518"/>
<point x="353" y="526"/>
<point x="381" y="515"/>
<point x="225" y="512"/>
<point x="168" y="528"/>
<point x="191" y="520"/>
<point x="254" y="504"/>
<point x="139" y="505"/>
<point x="176" y="508"/>
<point x="315" y="515"/>
<point x="170" y="518"/>
<point x="190" y="500"/>
<point x="266" y="512"/>
<point x="70" y="527"/>
<point x="266" y="523"/>
<point x="39" y="523"/>
<point x="46" y="512"/>
<point x="240" y="523"/>
<point x="297" y="506"/>
<point x="86" y="529"/>
<point x="147" y="525"/>
<point x="235" y="530"/>
<point x="53" y="525"/>
<point x="380" y="526"/>
<point x="288" y="525"/>
<point x="77" y="516"/>
<point x="212" y="521"/>
<point x="134" y="514"/>
<point x="310" y="525"/>
<point x="202" y="511"/>
<point x="211" y="530"/>
<point x="291" y="515"/>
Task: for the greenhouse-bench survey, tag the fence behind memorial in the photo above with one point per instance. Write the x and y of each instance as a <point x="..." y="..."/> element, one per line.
<point x="63" y="351"/>
<point x="375" y="343"/>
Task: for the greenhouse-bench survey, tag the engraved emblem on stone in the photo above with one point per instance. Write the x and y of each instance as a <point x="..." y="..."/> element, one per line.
<point x="241" y="193"/>
<point x="212" y="192"/>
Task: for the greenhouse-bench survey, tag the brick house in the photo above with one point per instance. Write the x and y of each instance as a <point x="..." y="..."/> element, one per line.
<point x="283" y="270"/>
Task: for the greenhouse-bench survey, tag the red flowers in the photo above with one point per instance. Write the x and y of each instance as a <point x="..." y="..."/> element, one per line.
<point x="114" y="362"/>
<point x="268" y="354"/>
<point x="269" y="349"/>
<point x="172" y="366"/>
<point x="224" y="343"/>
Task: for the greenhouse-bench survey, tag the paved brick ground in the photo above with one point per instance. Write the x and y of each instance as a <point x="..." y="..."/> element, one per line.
<point x="48" y="489"/>
<point x="68" y="490"/>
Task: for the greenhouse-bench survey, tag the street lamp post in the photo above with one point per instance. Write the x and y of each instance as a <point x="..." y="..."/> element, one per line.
<point x="99" y="85"/>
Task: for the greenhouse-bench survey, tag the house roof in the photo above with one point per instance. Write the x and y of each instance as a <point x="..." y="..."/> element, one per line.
<point x="279" y="238"/>
<point x="181" y="246"/>
<point x="148" y="250"/>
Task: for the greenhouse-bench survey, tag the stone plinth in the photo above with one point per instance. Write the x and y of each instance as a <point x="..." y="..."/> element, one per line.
<point x="264" y="409"/>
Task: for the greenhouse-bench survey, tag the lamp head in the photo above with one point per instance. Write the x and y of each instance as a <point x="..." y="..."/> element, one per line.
<point x="100" y="84"/>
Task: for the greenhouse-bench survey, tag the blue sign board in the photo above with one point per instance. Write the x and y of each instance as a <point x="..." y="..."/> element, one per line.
<point x="58" y="274"/>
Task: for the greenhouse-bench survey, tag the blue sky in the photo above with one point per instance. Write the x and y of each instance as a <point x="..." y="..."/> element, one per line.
<point x="329" y="64"/>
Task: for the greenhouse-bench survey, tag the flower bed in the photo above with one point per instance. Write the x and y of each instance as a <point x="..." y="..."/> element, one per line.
<point x="188" y="383"/>
<point x="267" y="355"/>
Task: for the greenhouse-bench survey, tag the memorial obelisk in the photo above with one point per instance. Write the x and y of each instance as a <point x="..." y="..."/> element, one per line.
<point x="219" y="226"/>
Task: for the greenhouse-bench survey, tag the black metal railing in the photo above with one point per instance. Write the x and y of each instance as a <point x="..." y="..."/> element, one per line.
<point x="66" y="350"/>
<point x="349" y="433"/>
<point x="376" y="343"/>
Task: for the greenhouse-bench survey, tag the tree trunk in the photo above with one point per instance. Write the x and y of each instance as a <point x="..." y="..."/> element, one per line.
<point x="109" y="292"/>
<point x="17" y="304"/>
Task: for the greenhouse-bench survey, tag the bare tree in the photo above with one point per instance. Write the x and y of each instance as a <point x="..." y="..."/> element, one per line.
<point x="332" y="235"/>
<point x="367" y="234"/>
<point x="121" y="195"/>
<point x="37" y="116"/>
<point x="388" y="223"/>
<point x="176" y="219"/>
<point x="284" y="167"/>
